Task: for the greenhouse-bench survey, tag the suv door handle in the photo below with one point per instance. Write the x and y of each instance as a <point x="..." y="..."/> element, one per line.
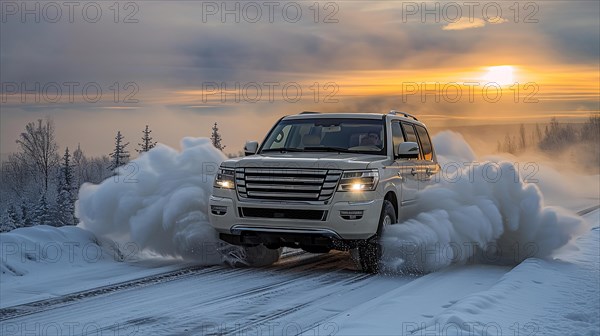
<point x="413" y="172"/>
<point x="429" y="171"/>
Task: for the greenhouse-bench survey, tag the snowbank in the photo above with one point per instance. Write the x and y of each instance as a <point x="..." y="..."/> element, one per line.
<point x="41" y="250"/>
<point x="478" y="212"/>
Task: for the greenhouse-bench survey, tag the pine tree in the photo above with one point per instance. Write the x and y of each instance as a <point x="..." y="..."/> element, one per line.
<point x="65" y="207"/>
<point x="26" y="220"/>
<point x="119" y="156"/>
<point x="10" y="220"/>
<point x="216" y="138"/>
<point x="79" y="165"/>
<point x="43" y="214"/>
<point x="147" y="143"/>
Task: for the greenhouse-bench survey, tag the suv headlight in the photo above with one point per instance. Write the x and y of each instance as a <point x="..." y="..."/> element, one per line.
<point x="359" y="180"/>
<point x="225" y="178"/>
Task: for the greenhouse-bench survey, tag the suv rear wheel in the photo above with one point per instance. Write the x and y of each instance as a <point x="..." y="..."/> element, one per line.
<point x="369" y="252"/>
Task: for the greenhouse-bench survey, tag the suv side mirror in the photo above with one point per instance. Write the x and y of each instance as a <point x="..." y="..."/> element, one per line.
<point x="250" y="148"/>
<point x="408" y="150"/>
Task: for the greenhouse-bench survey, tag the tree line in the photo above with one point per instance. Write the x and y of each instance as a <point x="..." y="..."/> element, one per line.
<point x="40" y="182"/>
<point x="554" y="137"/>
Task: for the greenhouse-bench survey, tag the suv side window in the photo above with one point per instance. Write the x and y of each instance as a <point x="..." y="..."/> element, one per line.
<point x="426" y="147"/>
<point x="411" y="135"/>
<point x="397" y="136"/>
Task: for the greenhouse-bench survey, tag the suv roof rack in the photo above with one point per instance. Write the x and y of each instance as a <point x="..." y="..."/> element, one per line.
<point x="309" y="112"/>
<point x="407" y="115"/>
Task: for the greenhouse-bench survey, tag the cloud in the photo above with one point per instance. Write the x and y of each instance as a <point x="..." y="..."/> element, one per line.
<point x="465" y="23"/>
<point x="497" y="20"/>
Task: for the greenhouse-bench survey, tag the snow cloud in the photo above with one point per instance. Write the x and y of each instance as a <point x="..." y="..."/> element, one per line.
<point x="483" y="213"/>
<point x="158" y="201"/>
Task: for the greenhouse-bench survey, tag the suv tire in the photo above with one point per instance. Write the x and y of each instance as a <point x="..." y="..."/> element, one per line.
<point x="369" y="252"/>
<point x="260" y="255"/>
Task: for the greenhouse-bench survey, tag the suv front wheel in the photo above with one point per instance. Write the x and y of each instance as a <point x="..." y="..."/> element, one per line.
<point x="369" y="252"/>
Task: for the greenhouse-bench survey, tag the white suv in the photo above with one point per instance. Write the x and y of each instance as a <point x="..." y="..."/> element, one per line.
<point x="322" y="181"/>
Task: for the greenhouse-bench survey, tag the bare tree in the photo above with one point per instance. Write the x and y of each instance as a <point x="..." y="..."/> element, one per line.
<point x="15" y="175"/>
<point x="39" y="147"/>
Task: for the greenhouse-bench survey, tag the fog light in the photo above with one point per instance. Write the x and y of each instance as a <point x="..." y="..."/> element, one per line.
<point x="218" y="209"/>
<point x="351" y="214"/>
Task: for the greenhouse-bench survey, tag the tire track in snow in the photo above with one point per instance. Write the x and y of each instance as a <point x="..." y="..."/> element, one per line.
<point x="42" y="305"/>
<point x="298" y="260"/>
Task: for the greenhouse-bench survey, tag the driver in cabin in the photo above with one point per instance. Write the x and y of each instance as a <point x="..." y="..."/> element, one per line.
<point x="370" y="139"/>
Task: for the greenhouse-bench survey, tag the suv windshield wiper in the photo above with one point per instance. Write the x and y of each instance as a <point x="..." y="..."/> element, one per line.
<point x="328" y="149"/>
<point x="282" y="150"/>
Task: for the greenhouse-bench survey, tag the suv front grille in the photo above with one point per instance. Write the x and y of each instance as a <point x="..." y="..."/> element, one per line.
<point x="283" y="213"/>
<point x="286" y="184"/>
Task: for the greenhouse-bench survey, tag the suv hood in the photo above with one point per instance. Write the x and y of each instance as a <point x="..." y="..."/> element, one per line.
<point x="313" y="160"/>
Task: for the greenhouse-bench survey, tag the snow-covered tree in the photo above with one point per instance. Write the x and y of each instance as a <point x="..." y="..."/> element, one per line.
<point x="10" y="220"/>
<point x="80" y="163"/>
<point x="65" y="209"/>
<point x="66" y="177"/>
<point x="17" y="182"/>
<point x="558" y="136"/>
<point x="43" y="213"/>
<point x="216" y="138"/>
<point x="120" y="155"/>
<point x="26" y="214"/>
<point x="590" y="131"/>
<point x="147" y="143"/>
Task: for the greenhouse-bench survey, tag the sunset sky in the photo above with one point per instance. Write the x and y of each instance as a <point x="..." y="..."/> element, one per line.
<point x="165" y="63"/>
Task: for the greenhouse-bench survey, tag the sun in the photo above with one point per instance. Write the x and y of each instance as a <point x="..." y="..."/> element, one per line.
<point x="503" y="75"/>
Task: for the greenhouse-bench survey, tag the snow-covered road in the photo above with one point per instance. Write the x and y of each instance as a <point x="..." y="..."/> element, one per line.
<point x="326" y="295"/>
<point x="302" y="292"/>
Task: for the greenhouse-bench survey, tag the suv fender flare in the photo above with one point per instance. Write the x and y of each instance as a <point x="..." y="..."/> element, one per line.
<point x="390" y="193"/>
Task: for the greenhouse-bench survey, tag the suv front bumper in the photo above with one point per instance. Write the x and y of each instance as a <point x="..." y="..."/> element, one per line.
<point x="230" y="215"/>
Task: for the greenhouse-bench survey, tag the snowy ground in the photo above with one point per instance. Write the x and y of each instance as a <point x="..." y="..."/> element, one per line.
<point x="314" y="294"/>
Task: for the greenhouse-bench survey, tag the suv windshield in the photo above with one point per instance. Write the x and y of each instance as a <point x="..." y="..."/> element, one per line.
<point x="331" y="134"/>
